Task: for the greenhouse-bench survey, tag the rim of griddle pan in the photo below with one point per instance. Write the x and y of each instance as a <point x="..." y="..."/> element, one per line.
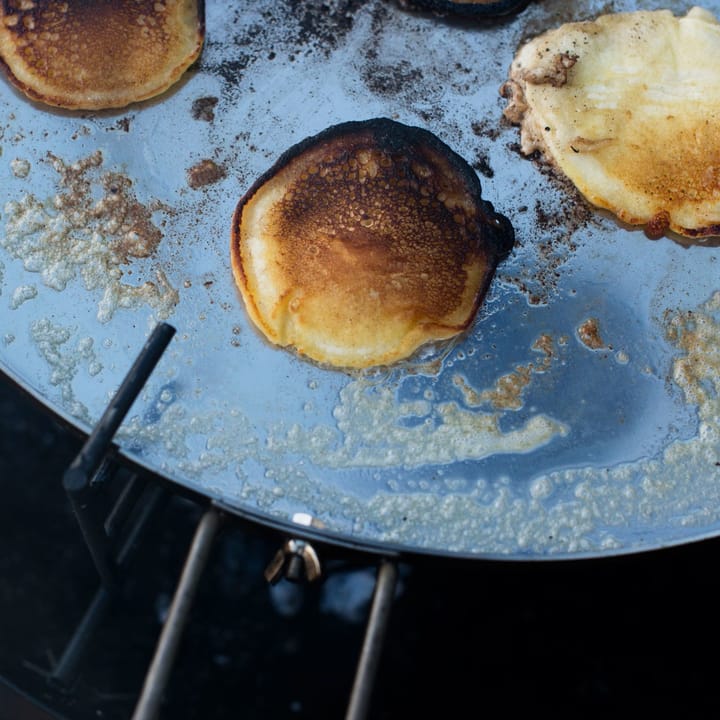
<point x="339" y="541"/>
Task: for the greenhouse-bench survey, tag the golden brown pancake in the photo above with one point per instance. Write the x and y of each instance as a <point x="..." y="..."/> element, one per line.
<point x="95" y="54"/>
<point x="365" y="242"/>
<point x="628" y="108"/>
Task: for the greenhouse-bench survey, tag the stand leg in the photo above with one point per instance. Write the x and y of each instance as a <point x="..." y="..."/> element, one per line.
<point x="167" y="647"/>
<point x="373" y="642"/>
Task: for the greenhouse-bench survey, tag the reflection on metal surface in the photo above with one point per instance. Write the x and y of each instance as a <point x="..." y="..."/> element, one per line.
<point x="295" y="561"/>
<point x="520" y="440"/>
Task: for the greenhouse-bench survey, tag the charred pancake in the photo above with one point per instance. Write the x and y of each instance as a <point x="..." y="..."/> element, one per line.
<point x="628" y="108"/>
<point x="467" y="8"/>
<point x="364" y="242"/>
<point x="95" y="54"/>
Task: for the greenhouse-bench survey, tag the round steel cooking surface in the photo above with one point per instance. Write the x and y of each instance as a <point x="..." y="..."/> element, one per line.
<point x="577" y="418"/>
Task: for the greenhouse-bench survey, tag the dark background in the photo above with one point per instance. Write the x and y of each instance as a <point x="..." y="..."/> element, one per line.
<point x="633" y="634"/>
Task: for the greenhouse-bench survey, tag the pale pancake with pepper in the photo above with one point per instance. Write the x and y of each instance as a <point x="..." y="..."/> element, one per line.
<point x="628" y="107"/>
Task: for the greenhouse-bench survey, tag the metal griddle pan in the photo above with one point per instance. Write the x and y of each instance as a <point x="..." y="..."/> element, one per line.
<point x="595" y="448"/>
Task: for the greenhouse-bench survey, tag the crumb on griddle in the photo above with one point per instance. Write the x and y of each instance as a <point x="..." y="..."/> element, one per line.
<point x="589" y="334"/>
<point x="203" y="108"/>
<point x="205" y="172"/>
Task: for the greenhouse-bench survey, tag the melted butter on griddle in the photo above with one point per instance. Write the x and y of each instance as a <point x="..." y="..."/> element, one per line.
<point x="578" y="510"/>
<point x="66" y="355"/>
<point x="509" y="389"/>
<point x="93" y="227"/>
<point x="584" y="509"/>
<point x="375" y="429"/>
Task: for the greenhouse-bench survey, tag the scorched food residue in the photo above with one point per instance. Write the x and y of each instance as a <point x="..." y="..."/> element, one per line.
<point x="93" y="226"/>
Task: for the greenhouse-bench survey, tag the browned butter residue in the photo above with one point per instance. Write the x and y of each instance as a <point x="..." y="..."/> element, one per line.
<point x="205" y="172"/>
<point x="508" y="391"/>
<point x="588" y="333"/>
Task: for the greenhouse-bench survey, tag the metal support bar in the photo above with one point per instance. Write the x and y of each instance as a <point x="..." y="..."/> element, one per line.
<point x="65" y="671"/>
<point x="93" y="531"/>
<point x="159" y="672"/>
<point x="129" y="495"/>
<point x="100" y="534"/>
<point x="372" y="645"/>
<point x="149" y="502"/>
<point x="93" y="454"/>
<point x="66" y="668"/>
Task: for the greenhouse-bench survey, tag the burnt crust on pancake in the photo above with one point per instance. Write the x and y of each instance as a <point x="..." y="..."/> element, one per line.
<point x="467" y="8"/>
<point x="364" y="242"/>
<point x="98" y="54"/>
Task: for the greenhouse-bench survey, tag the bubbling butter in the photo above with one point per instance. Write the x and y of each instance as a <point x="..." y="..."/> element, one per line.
<point x="374" y="429"/>
<point x="93" y="226"/>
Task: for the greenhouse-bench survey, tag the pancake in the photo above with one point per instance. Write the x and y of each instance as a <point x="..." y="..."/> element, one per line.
<point x="96" y="54"/>
<point x="467" y="8"/>
<point x="628" y="108"/>
<point x="365" y="242"/>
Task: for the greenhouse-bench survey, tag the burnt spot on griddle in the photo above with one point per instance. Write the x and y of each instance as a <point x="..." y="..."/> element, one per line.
<point x="482" y="165"/>
<point x="417" y="76"/>
<point x="123" y="124"/>
<point x="588" y="332"/>
<point x="485" y="129"/>
<point x="232" y="71"/>
<point x="562" y="12"/>
<point x="390" y="79"/>
<point x="321" y="27"/>
<point x="402" y="81"/>
<point x="203" y="108"/>
<point x="288" y="29"/>
<point x="205" y="172"/>
<point x="558" y="215"/>
<point x="399" y="82"/>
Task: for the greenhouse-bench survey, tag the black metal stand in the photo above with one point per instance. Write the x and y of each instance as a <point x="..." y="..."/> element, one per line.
<point x="110" y="537"/>
<point x="375" y="633"/>
<point x="90" y="461"/>
<point x="159" y="673"/>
